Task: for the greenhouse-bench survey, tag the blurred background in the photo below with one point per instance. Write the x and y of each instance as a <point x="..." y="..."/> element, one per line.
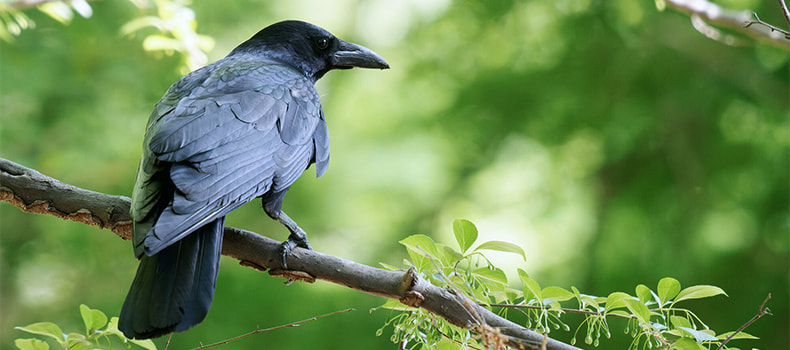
<point x="614" y="142"/>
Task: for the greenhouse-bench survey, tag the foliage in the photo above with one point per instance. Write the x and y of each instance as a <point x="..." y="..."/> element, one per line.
<point x="174" y="22"/>
<point x="94" y="337"/>
<point x="654" y="318"/>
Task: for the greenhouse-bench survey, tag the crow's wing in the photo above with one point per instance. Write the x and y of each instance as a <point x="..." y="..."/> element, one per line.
<point x="242" y="130"/>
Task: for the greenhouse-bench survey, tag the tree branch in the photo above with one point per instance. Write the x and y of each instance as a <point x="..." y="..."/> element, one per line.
<point x="708" y="12"/>
<point x="34" y="192"/>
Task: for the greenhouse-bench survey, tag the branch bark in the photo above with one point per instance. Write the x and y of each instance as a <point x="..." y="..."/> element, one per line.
<point x="740" y="21"/>
<point x="34" y="192"/>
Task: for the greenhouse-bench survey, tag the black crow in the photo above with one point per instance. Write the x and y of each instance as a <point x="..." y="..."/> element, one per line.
<point x="243" y="127"/>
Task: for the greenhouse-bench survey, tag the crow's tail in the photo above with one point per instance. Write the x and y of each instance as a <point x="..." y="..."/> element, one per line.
<point x="173" y="289"/>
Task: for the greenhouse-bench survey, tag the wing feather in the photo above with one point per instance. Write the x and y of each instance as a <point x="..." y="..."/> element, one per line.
<point x="219" y="146"/>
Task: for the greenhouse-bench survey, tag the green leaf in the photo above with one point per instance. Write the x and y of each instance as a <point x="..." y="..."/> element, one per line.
<point x="616" y="300"/>
<point x="699" y="292"/>
<point x="465" y="233"/>
<point x="393" y="304"/>
<point x="556" y="294"/>
<point x="31" y="344"/>
<point x="740" y="335"/>
<point x="637" y="308"/>
<point x="643" y="293"/>
<point x="668" y="288"/>
<point x="389" y="267"/>
<point x="148" y="344"/>
<point x="699" y="336"/>
<point x="686" y="344"/>
<point x="531" y="288"/>
<point x="156" y="42"/>
<point x="503" y="247"/>
<point x="58" y="11"/>
<point x="496" y="274"/>
<point x="679" y="321"/>
<point x="76" y="341"/>
<point x="48" y="329"/>
<point x="587" y="300"/>
<point x="93" y="319"/>
<point x="420" y="244"/>
<point x="142" y="22"/>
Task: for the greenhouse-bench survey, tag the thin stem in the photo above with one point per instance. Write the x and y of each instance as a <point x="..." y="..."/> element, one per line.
<point x="785" y="11"/>
<point x="294" y="324"/>
<point x="761" y="312"/>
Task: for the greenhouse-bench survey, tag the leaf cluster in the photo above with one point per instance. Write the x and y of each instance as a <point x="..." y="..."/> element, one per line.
<point x="98" y="334"/>
<point x="654" y="319"/>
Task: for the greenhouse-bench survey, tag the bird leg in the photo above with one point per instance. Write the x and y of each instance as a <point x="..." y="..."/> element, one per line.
<point x="297" y="238"/>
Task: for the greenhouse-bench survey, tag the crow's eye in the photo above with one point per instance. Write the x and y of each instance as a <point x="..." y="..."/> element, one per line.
<point x="322" y="43"/>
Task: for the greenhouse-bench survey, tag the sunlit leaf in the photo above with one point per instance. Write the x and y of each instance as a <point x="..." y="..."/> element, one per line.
<point x="686" y="344"/>
<point x="31" y="344"/>
<point x="668" y="288"/>
<point x="157" y="42"/>
<point x="679" y="321"/>
<point x="531" y="287"/>
<point x="643" y="293"/>
<point x="420" y="244"/>
<point x="502" y="247"/>
<point x="58" y="10"/>
<point x="148" y="344"/>
<point x="699" y="292"/>
<point x="393" y="304"/>
<point x="93" y="319"/>
<point x="142" y="22"/>
<point x="553" y="293"/>
<point x="48" y="329"/>
<point x="465" y="233"/>
<point x="589" y="301"/>
<point x="77" y="341"/>
<point x="82" y="7"/>
<point x="637" y="308"/>
<point x="496" y="274"/>
<point x="699" y="336"/>
<point x="740" y="335"/>
<point x="616" y="300"/>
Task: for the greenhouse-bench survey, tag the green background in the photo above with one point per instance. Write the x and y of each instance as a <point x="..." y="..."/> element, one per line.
<point x="613" y="142"/>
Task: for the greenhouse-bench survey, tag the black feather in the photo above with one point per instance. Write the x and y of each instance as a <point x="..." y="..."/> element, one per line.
<point x="243" y="127"/>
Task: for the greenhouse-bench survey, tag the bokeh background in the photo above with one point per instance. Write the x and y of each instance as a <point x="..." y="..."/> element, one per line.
<point x="613" y="142"/>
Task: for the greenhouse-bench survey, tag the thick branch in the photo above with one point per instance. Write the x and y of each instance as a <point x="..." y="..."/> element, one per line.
<point x="735" y="20"/>
<point x="33" y="192"/>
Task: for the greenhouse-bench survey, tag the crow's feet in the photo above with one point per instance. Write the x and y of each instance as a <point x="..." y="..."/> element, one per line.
<point x="294" y="240"/>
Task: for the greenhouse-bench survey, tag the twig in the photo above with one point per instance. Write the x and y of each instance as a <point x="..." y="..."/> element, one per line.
<point x="167" y="342"/>
<point x="785" y="11"/>
<point x="736" y="20"/>
<point x="761" y="312"/>
<point x="773" y="28"/>
<point x="294" y="324"/>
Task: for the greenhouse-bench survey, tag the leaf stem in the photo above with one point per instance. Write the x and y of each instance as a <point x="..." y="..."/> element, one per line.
<point x="294" y="324"/>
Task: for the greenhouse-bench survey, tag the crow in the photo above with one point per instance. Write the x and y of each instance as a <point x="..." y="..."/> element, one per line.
<point x="241" y="128"/>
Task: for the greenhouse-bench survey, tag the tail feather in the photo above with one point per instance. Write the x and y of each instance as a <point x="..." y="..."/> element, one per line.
<point x="173" y="289"/>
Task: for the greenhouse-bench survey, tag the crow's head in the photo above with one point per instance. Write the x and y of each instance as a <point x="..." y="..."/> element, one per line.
<point x="308" y="48"/>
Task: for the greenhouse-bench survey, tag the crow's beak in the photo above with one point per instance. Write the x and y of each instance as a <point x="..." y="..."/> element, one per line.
<point x="350" y="55"/>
